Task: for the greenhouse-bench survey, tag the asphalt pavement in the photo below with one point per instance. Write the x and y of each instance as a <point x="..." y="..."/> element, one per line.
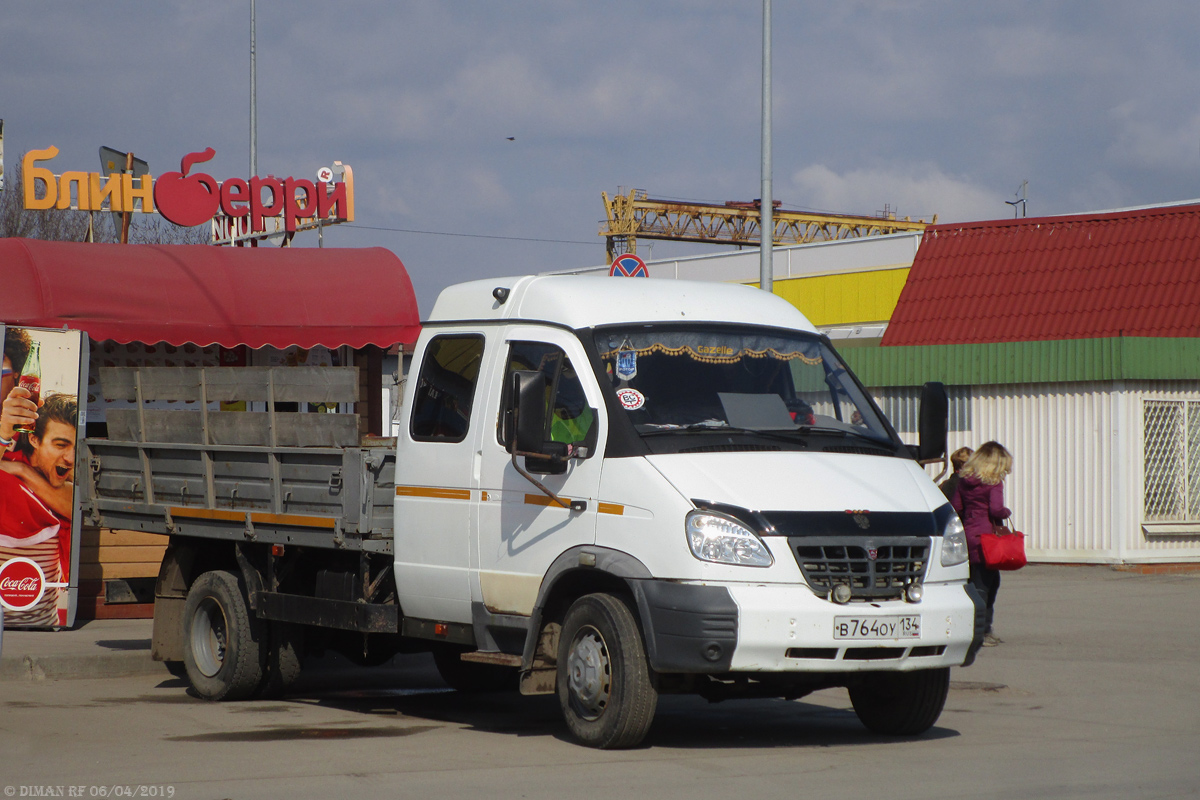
<point x="117" y="648"/>
<point x="1091" y="696"/>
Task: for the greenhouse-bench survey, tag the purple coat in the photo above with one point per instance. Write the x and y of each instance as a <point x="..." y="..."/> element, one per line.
<point x="978" y="504"/>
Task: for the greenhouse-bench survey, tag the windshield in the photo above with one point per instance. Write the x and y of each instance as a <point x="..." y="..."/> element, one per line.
<point x="671" y="378"/>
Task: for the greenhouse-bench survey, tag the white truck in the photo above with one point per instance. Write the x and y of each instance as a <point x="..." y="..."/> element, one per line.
<point x="602" y="489"/>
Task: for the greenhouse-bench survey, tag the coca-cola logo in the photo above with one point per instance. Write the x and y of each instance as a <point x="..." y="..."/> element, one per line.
<point x="22" y="584"/>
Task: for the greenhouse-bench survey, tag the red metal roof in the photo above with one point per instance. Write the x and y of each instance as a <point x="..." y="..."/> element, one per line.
<point x="209" y="295"/>
<point x="1127" y="273"/>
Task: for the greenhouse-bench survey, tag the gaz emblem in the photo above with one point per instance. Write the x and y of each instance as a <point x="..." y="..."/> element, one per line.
<point x="860" y="517"/>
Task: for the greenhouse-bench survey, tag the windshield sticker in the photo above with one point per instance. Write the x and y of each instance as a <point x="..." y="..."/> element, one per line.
<point x="631" y="399"/>
<point x="626" y="362"/>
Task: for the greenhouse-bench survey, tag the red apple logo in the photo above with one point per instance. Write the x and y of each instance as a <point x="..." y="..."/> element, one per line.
<point x="188" y="200"/>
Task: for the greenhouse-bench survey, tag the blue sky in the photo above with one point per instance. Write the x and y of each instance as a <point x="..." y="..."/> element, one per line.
<point x="925" y="107"/>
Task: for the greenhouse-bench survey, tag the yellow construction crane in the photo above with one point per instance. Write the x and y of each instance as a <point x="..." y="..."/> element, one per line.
<point x="633" y="216"/>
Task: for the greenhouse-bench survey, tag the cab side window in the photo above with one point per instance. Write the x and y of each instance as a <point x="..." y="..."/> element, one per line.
<point x="568" y="417"/>
<point x="446" y="388"/>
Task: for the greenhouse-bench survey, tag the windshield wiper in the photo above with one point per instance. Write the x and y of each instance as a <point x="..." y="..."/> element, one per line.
<point x="846" y="432"/>
<point x="715" y="426"/>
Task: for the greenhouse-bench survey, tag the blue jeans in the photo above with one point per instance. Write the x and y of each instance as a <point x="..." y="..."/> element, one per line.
<point x="987" y="583"/>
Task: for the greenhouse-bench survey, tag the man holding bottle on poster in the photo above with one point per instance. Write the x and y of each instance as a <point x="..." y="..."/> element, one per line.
<point x="45" y="459"/>
<point x="37" y="459"/>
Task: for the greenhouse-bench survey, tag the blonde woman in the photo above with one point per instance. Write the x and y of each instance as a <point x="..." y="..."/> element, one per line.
<point x="979" y="501"/>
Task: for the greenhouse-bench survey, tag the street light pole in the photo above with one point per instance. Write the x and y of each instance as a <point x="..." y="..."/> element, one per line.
<point x="253" y="97"/>
<point x="766" y="220"/>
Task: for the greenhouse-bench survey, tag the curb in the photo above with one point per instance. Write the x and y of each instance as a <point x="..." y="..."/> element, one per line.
<point x="66" y="667"/>
<point x="1160" y="569"/>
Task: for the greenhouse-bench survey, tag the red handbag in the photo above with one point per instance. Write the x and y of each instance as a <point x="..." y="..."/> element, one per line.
<point x="1003" y="548"/>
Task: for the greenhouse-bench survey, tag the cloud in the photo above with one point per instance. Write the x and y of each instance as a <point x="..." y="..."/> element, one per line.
<point x="1145" y="140"/>
<point x="917" y="191"/>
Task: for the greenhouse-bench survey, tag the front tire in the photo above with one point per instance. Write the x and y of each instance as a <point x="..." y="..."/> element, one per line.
<point x="605" y="687"/>
<point x="222" y="641"/>
<point x="901" y="703"/>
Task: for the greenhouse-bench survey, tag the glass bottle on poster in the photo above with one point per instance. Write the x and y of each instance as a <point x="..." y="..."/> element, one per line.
<point x="31" y="380"/>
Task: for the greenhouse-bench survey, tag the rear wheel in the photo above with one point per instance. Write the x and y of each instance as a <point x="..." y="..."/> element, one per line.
<point x="605" y="687"/>
<point x="222" y="640"/>
<point x="283" y="658"/>
<point x="901" y="703"/>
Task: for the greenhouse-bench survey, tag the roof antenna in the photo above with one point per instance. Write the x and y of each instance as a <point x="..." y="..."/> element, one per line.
<point x="1021" y="201"/>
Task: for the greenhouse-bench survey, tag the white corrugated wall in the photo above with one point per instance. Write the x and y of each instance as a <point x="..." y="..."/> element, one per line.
<point x="1076" y="487"/>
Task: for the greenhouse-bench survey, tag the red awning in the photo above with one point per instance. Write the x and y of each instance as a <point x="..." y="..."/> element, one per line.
<point x="209" y="295"/>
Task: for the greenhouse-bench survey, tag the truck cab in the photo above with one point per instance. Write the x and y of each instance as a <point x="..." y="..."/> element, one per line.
<point x="624" y="488"/>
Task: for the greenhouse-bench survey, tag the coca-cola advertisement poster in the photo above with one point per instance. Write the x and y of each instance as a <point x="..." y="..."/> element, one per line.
<point x="41" y="427"/>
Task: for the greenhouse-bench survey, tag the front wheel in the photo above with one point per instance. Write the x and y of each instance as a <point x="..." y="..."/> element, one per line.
<point x="605" y="687"/>
<point x="223" y="649"/>
<point x="901" y="703"/>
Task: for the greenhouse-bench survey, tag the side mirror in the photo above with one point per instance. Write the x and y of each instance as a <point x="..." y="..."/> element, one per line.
<point x="527" y="410"/>
<point x="525" y="434"/>
<point x="934" y="422"/>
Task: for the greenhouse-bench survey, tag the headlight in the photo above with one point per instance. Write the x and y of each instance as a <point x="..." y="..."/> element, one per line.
<point x="723" y="540"/>
<point x="954" y="543"/>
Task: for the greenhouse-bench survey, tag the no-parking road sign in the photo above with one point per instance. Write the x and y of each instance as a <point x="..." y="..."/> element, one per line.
<point x="628" y="266"/>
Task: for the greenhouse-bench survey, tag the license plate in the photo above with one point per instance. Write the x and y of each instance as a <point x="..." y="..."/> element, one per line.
<point x="905" y="627"/>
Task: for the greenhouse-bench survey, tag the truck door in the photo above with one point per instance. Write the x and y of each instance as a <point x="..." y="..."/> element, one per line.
<point x="435" y="479"/>
<point x="520" y="529"/>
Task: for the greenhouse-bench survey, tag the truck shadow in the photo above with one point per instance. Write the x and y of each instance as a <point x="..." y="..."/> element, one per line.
<point x="682" y="722"/>
<point x="409" y="691"/>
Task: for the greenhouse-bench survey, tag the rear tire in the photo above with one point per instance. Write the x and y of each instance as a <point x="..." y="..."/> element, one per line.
<point x="605" y="688"/>
<point x="901" y="703"/>
<point x="283" y="658"/>
<point x="222" y="640"/>
<point x="471" y="676"/>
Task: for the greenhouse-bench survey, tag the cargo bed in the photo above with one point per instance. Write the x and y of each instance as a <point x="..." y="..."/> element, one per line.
<point x="266" y="476"/>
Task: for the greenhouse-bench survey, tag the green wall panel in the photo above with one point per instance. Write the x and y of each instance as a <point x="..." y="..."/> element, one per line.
<point x="1125" y="358"/>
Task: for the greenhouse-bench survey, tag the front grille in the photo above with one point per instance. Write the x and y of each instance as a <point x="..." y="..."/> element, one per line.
<point x="864" y="653"/>
<point x="874" y="568"/>
<point x="872" y="653"/>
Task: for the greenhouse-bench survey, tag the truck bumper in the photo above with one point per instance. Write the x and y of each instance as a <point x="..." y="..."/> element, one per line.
<point x="723" y="628"/>
<point x="786" y="628"/>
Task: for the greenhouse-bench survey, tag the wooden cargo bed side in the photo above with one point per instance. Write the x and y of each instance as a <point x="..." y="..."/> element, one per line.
<point x="114" y="555"/>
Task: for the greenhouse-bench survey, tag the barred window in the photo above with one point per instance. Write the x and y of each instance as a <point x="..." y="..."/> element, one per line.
<point x="1171" y="451"/>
